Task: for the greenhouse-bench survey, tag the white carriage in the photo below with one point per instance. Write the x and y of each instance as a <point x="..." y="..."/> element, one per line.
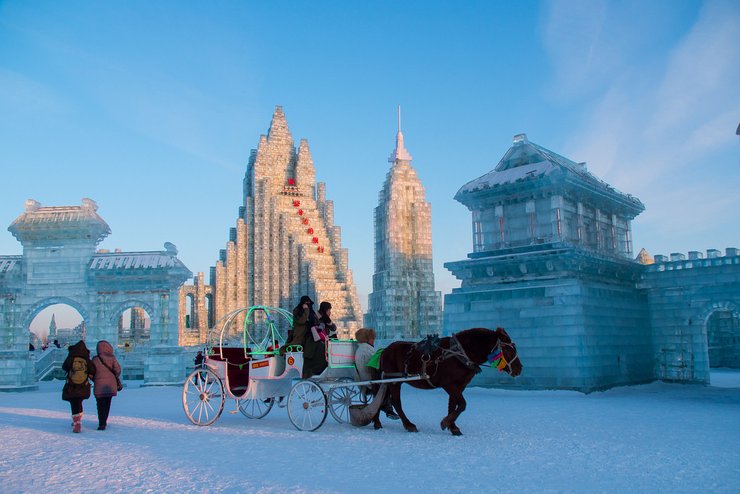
<point x="253" y="373"/>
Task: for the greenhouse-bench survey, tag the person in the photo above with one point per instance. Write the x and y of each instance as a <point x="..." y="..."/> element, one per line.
<point x="325" y="323"/>
<point x="56" y="344"/>
<point x="363" y="356"/>
<point x="314" y="348"/>
<point x="199" y="359"/>
<point x="76" y="389"/>
<point x="304" y="318"/>
<point x="106" y="379"/>
<point x="31" y="348"/>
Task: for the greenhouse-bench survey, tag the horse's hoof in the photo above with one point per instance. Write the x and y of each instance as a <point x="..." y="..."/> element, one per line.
<point x="455" y="431"/>
<point x="443" y="425"/>
<point x="377" y="426"/>
<point x="412" y="428"/>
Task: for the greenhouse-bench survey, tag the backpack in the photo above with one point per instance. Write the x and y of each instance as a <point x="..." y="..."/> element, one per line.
<point x="78" y="371"/>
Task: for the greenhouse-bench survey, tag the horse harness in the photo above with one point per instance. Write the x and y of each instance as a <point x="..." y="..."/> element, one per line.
<point x="430" y="345"/>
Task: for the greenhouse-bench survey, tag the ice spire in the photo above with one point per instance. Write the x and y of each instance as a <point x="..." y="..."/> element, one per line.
<point x="400" y="153"/>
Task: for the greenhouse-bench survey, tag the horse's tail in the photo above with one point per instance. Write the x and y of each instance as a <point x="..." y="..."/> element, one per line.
<point x="361" y="415"/>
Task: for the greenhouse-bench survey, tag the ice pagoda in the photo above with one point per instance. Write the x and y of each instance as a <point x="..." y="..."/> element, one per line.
<point x="284" y="245"/>
<point x="403" y="303"/>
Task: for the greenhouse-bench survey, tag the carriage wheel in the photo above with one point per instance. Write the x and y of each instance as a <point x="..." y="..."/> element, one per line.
<point x="307" y="406"/>
<point x="203" y="397"/>
<point x="256" y="409"/>
<point x="340" y="400"/>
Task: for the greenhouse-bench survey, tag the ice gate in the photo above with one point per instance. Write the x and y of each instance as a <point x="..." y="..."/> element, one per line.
<point x="60" y="265"/>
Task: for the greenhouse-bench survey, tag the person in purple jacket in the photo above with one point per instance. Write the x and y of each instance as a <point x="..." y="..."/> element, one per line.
<point x="106" y="380"/>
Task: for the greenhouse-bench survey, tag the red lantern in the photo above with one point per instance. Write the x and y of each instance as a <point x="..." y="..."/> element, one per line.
<point x="291" y="181"/>
<point x="310" y="231"/>
<point x="315" y="240"/>
<point x="320" y="249"/>
<point x="305" y="221"/>
<point x="296" y="203"/>
<point x="300" y="212"/>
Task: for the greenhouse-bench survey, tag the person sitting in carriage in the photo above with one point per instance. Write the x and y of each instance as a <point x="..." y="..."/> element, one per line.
<point x="325" y="323"/>
<point x="366" y="361"/>
<point x="315" y="341"/>
<point x="304" y="318"/>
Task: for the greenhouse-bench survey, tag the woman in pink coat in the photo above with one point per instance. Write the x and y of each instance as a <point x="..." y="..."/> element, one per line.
<point x="106" y="379"/>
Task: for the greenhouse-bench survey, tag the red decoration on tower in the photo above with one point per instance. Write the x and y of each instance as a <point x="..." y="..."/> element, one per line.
<point x="315" y="240"/>
<point x="310" y="231"/>
<point x="296" y="203"/>
<point x="300" y="212"/>
<point x="320" y="249"/>
<point x="291" y="182"/>
<point x="305" y="221"/>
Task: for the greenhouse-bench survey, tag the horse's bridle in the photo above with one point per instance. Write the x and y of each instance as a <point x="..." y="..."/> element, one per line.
<point x="499" y="345"/>
<point x="498" y="349"/>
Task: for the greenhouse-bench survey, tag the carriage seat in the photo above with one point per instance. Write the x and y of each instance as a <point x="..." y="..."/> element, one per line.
<point x="238" y="378"/>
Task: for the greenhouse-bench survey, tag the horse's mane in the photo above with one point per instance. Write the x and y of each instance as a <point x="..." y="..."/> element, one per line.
<point x="476" y="333"/>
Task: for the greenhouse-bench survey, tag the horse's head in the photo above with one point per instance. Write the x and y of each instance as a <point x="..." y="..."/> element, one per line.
<point x="508" y="360"/>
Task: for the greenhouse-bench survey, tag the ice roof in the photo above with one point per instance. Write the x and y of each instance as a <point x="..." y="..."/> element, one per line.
<point x="38" y="218"/>
<point x="134" y="260"/>
<point x="526" y="160"/>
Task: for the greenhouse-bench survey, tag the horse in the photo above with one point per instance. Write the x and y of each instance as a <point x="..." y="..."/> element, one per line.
<point x="450" y="363"/>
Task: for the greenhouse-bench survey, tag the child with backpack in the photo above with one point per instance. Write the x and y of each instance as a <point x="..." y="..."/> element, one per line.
<point x="79" y="368"/>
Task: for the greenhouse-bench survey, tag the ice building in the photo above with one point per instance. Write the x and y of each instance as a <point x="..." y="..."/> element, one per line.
<point x="284" y="245"/>
<point x="552" y="263"/>
<point x="60" y="265"/>
<point x="403" y="303"/>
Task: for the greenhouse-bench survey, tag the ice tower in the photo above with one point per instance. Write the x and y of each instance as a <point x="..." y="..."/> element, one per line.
<point x="552" y="263"/>
<point x="403" y="303"/>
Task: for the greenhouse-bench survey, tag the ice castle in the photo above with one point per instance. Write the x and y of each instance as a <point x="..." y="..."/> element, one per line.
<point x="552" y="262"/>
<point x="60" y="265"/>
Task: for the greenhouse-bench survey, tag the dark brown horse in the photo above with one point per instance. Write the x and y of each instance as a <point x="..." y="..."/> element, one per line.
<point x="450" y="365"/>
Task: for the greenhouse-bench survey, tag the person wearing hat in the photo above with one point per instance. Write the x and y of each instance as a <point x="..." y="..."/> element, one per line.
<point x="304" y="318"/>
<point x="314" y="346"/>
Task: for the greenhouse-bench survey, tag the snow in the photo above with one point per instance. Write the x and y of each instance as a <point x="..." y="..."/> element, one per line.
<point x="657" y="437"/>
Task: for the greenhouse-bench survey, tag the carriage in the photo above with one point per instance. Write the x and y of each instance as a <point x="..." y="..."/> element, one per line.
<point x="254" y="373"/>
<point x="243" y="363"/>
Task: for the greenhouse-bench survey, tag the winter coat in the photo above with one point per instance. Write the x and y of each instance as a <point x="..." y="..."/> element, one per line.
<point x="72" y="391"/>
<point x="104" y="379"/>
<point x="303" y="319"/>
<point x="329" y="328"/>
<point x="362" y="356"/>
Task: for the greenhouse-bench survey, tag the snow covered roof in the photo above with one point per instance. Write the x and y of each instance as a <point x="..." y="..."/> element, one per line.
<point x="134" y="260"/>
<point x="526" y="160"/>
<point x="38" y="221"/>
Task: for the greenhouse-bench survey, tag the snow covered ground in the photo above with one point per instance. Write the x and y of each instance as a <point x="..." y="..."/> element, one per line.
<point x="652" y="438"/>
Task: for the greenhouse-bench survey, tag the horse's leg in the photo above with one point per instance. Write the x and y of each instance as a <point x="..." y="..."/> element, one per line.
<point x="455" y="406"/>
<point x="376" y="421"/>
<point x="395" y="391"/>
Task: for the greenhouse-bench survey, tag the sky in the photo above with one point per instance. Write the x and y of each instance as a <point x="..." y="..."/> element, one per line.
<point x="653" y="438"/>
<point x="151" y="109"/>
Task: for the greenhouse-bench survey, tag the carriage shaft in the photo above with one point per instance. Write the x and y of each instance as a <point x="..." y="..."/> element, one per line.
<point x="417" y="377"/>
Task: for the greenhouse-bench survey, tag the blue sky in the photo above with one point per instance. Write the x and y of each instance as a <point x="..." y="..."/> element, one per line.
<point x="151" y="109"/>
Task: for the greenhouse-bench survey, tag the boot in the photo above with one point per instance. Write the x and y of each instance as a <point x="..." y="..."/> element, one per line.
<point x="77" y="422"/>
